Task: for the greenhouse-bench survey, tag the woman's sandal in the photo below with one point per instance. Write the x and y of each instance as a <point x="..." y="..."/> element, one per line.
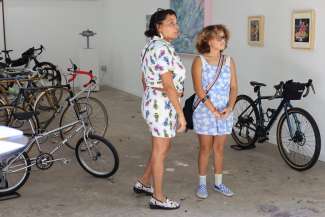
<point x="168" y="204"/>
<point x="140" y="188"/>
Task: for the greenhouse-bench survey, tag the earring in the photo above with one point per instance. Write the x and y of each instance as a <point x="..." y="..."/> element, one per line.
<point x="161" y="35"/>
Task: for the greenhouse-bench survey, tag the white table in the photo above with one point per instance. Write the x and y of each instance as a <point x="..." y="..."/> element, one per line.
<point x="15" y="143"/>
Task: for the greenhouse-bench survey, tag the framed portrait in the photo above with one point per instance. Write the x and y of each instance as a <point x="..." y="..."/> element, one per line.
<point x="303" y="29"/>
<point x="192" y="16"/>
<point x="256" y="31"/>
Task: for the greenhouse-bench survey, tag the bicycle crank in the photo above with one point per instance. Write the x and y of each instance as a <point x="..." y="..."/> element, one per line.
<point x="44" y="161"/>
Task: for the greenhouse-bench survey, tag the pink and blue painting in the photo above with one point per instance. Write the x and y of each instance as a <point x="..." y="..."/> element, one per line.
<point x="192" y="16"/>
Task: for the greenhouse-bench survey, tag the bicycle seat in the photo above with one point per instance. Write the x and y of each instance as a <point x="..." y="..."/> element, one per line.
<point x="257" y="84"/>
<point x="23" y="115"/>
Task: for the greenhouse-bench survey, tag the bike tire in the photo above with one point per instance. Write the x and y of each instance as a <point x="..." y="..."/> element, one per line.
<point x="47" y="104"/>
<point x="299" y="140"/>
<point x="245" y="118"/>
<point x="99" y="124"/>
<point x="9" y="190"/>
<point x="82" y="149"/>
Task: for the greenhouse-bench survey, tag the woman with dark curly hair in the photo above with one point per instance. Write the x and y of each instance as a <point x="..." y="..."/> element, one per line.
<point x="213" y="119"/>
<point x="163" y="76"/>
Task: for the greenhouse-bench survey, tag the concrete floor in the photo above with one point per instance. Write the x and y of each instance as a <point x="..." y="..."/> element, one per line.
<point x="263" y="183"/>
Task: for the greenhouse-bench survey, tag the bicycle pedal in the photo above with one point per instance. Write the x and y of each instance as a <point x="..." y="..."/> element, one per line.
<point x="66" y="162"/>
<point x="262" y="139"/>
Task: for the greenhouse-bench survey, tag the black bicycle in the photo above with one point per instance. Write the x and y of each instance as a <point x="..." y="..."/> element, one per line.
<point x="297" y="134"/>
<point x="48" y="71"/>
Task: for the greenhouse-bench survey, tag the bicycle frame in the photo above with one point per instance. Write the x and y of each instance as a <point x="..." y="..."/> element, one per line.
<point x="37" y="136"/>
<point x="284" y="105"/>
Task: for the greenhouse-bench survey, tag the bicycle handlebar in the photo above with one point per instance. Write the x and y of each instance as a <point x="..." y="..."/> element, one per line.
<point x="41" y="49"/>
<point x="75" y="71"/>
<point x="309" y="84"/>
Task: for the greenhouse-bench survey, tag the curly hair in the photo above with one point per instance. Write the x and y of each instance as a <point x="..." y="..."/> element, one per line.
<point x="206" y="34"/>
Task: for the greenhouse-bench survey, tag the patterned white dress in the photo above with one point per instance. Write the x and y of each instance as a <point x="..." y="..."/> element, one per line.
<point x="159" y="113"/>
<point x="204" y="121"/>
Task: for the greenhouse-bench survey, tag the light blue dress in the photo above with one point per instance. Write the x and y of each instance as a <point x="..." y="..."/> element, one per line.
<point x="204" y="121"/>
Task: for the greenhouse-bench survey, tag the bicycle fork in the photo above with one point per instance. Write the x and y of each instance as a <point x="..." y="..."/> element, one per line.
<point x="294" y="126"/>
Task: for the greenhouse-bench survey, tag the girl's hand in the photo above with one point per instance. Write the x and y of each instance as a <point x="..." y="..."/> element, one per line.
<point x="226" y="112"/>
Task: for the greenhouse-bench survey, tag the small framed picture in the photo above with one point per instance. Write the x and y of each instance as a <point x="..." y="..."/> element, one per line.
<point x="256" y="31"/>
<point x="303" y="29"/>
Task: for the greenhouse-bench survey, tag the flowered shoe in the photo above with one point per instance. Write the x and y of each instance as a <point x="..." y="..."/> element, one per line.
<point x="223" y="190"/>
<point x="168" y="204"/>
<point x="140" y="188"/>
<point x="202" y="192"/>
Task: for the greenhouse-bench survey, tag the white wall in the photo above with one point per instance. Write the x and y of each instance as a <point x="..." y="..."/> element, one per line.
<point x="120" y="26"/>
<point x="55" y="24"/>
<point x="274" y="62"/>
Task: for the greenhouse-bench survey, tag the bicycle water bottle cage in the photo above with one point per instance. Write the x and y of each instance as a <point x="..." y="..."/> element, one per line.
<point x="269" y="112"/>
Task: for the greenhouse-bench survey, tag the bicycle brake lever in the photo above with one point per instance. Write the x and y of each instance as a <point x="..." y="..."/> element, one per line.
<point x="307" y="92"/>
<point x="312" y="88"/>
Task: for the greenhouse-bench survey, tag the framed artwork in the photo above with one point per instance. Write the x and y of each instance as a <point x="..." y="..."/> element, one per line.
<point x="192" y="16"/>
<point x="256" y="31"/>
<point x="303" y="29"/>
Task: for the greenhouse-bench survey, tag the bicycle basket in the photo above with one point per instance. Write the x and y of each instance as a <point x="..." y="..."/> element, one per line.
<point x="293" y="90"/>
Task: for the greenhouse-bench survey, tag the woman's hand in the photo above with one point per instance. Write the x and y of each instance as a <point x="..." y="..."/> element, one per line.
<point x="226" y="112"/>
<point x="181" y="126"/>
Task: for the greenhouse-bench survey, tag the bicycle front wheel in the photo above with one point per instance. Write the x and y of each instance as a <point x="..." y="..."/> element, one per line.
<point x="245" y="116"/>
<point x="298" y="139"/>
<point x="97" y="156"/>
<point x="14" y="174"/>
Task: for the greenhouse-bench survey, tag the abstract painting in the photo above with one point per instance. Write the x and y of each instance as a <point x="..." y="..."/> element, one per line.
<point x="192" y="16"/>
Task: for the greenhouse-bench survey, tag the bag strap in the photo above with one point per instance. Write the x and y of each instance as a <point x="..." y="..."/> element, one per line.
<point x="221" y="60"/>
<point x="147" y="48"/>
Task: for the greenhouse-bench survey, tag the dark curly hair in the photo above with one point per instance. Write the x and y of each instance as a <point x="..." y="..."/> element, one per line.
<point x="206" y="34"/>
<point x="156" y="19"/>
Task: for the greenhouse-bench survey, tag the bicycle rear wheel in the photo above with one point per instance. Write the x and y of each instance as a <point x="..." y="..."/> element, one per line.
<point x="301" y="150"/>
<point x="245" y="116"/>
<point x="14" y="174"/>
<point x="97" y="156"/>
<point x="97" y="118"/>
<point x="48" y="104"/>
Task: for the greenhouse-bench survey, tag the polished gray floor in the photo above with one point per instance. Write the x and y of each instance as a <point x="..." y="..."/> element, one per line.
<point x="263" y="183"/>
